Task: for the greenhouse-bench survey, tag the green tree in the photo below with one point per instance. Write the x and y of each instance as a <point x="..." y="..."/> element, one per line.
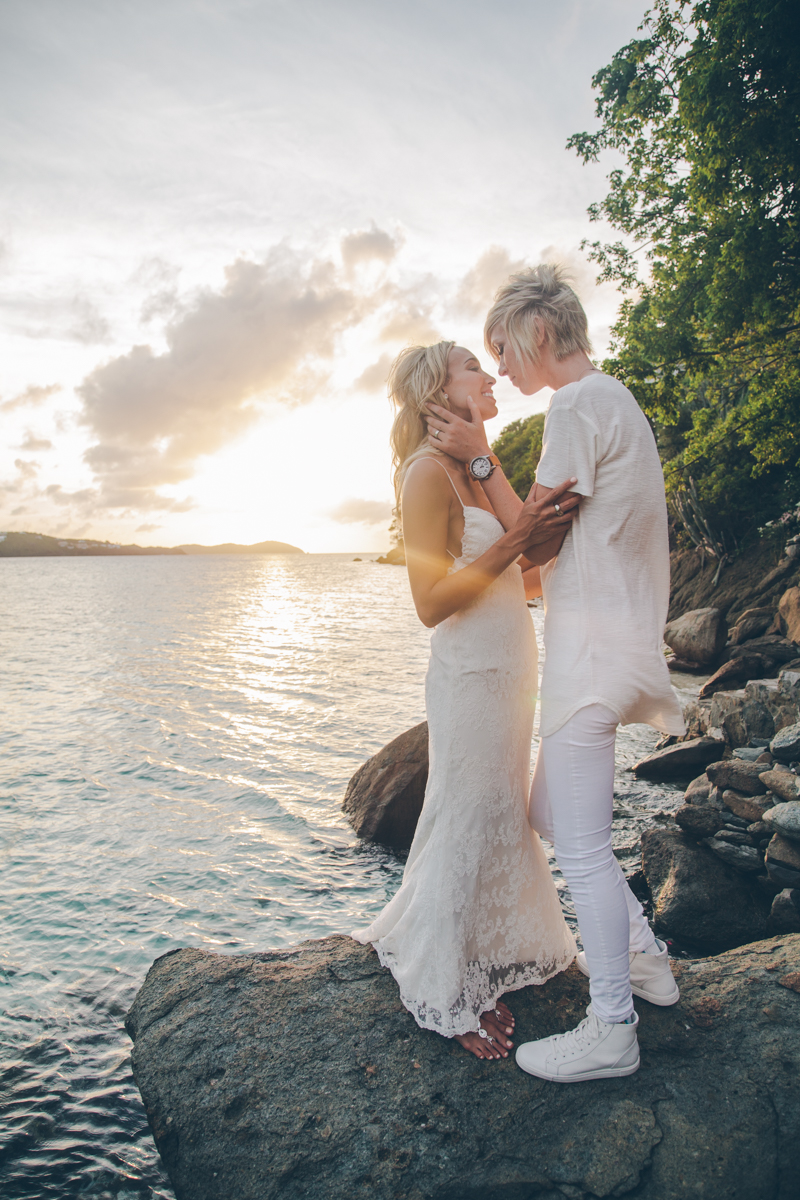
<point x="519" y="448"/>
<point x="704" y="111"/>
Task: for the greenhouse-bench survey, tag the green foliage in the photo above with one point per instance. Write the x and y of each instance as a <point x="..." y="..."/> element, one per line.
<point x="519" y="448"/>
<point x="705" y="112"/>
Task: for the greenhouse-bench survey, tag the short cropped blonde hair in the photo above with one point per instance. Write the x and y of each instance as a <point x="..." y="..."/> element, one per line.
<point x="536" y="299"/>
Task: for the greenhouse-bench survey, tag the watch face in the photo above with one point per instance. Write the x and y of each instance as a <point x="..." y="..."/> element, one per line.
<point x="481" y="468"/>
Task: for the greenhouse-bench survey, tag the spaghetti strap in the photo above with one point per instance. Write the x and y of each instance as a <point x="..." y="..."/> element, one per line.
<point x="450" y="477"/>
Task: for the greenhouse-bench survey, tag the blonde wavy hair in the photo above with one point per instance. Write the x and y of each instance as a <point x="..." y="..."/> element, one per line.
<point x="534" y="299"/>
<point x="417" y="378"/>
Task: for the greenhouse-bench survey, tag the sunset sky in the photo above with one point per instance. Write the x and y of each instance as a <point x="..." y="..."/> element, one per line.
<point x="221" y="219"/>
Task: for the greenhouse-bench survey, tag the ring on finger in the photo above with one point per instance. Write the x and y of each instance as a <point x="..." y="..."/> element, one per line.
<point x="559" y="509"/>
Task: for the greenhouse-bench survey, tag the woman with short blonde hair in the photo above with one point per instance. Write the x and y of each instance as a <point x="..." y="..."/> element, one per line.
<point x="606" y="591"/>
<point x="539" y="302"/>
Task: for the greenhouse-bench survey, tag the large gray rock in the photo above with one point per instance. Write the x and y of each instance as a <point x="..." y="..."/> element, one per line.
<point x="698" y="636"/>
<point x="699" y="820"/>
<point x="298" y="1075"/>
<point x="740" y="775"/>
<point x="698" y="899"/>
<point x="749" y="808"/>
<point x="785" y="819"/>
<point x="680" y="759"/>
<point x="384" y="798"/>
<point x="782" y="783"/>
<point x="741" y="858"/>
<point x="785" y="746"/>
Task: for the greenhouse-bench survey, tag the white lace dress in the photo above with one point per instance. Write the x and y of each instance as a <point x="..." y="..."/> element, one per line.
<point x="477" y="913"/>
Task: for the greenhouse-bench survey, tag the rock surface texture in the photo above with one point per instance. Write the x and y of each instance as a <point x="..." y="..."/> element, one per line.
<point x="699" y="898"/>
<point x="297" y="1074"/>
<point x="384" y="798"/>
<point x="698" y="636"/>
<point x="681" y="759"/>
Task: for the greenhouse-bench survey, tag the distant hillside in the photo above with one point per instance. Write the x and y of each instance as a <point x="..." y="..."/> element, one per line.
<point x="234" y="548"/>
<point x="40" y="545"/>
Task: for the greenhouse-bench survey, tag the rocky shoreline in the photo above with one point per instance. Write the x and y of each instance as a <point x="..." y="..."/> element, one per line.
<point x="298" y="1073"/>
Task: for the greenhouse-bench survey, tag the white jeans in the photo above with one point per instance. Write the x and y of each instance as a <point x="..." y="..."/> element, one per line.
<point x="572" y="802"/>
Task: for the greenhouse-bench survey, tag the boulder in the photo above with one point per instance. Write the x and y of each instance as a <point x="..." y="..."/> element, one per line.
<point x="782" y="783"/>
<point x="789" y="613"/>
<point x="725" y="713"/>
<point x="681" y="759"/>
<point x="737" y="670"/>
<point x="698" y="789"/>
<point x="785" y="819"/>
<point x="740" y="775"/>
<point x="698" y="636"/>
<point x="751" y="623"/>
<point x="749" y="808"/>
<point x="699" y="900"/>
<point x="785" y="746"/>
<point x="296" y="1074"/>
<point x="699" y="821"/>
<point x="784" y="916"/>
<point x="384" y="798"/>
<point x="740" y="857"/>
<point x="783" y="861"/>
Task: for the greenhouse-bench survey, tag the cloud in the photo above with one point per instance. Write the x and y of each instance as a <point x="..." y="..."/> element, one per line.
<point x="361" y="512"/>
<point x="147" y="528"/>
<point x="477" y="289"/>
<point x="31" y="397"/>
<point x="73" y="318"/>
<point x="161" y="280"/>
<point x="410" y="320"/>
<point x="34" y="443"/>
<point x="369" y="244"/>
<point x="27" y="470"/>
<point x="88" y="326"/>
<point x="264" y="335"/>
<point x="374" y="376"/>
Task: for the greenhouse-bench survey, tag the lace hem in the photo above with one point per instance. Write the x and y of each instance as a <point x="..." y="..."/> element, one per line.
<point x="482" y="989"/>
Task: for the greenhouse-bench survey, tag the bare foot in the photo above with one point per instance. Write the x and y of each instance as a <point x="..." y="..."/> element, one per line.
<point x="496" y="1024"/>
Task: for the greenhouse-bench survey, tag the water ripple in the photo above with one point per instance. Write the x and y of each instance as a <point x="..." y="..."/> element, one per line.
<point x="178" y="735"/>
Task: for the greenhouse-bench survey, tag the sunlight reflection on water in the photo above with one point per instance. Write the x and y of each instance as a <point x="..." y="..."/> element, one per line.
<point x="179" y="734"/>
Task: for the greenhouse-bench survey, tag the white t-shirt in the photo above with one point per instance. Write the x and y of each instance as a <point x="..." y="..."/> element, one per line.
<point x="606" y="594"/>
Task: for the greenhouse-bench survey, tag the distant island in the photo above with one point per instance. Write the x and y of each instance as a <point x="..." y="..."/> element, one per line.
<point x="234" y="548"/>
<point x="40" y="545"/>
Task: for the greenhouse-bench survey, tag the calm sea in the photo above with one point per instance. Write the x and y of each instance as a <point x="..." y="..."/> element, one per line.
<point x="178" y="736"/>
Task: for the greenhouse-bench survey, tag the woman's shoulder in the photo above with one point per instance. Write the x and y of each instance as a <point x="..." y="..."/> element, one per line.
<point x="429" y="477"/>
<point x="427" y="468"/>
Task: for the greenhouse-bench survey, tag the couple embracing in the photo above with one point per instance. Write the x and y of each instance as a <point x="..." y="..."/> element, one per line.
<point x="477" y="914"/>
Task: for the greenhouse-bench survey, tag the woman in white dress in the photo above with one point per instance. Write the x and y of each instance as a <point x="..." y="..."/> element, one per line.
<point x="477" y="914"/>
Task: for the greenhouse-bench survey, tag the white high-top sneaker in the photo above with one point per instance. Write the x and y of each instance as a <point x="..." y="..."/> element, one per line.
<point x="651" y="976"/>
<point x="595" y="1050"/>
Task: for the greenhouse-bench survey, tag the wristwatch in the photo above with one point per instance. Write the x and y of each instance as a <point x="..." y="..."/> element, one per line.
<point x="481" y="467"/>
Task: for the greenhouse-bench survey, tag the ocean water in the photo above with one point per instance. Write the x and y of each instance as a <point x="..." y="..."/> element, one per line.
<point x="177" y="737"/>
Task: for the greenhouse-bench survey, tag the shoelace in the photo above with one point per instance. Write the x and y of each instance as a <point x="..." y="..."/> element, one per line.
<point x="577" y="1039"/>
